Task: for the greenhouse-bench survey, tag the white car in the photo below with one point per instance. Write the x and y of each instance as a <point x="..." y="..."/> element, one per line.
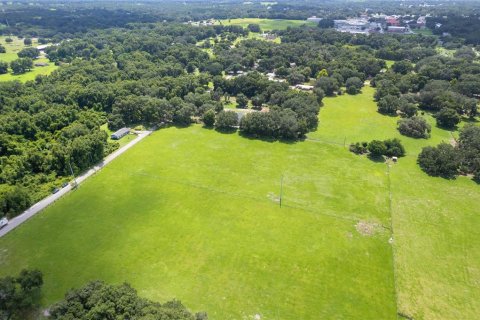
<point x="3" y="222"/>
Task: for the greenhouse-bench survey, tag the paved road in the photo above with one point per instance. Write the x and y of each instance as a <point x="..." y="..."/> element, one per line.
<point x="42" y="204"/>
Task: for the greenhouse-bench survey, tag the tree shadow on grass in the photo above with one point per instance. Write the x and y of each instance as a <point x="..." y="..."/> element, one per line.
<point x="226" y="130"/>
<point x="391" y="115"/>
<point x="470" y="120"/>
<point x="270" y="139"/>
<point x="375" y="158"/>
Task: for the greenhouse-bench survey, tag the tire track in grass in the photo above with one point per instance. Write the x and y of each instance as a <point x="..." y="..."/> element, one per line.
<point x="394" y="266"/>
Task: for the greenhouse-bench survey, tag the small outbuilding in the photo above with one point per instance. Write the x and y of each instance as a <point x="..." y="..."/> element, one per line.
<point x="120" y="133"/>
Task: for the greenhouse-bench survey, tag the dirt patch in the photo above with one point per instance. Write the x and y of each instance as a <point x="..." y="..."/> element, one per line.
<point x="273" y="197"/>
<point x="453" y="142"/>
<point x="366" y="228"/>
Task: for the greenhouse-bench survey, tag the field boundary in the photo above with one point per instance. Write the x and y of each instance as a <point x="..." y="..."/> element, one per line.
<point x="394" y="265"/>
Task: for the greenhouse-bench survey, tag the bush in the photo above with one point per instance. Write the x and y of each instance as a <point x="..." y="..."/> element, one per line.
<point x="21" y="65"/>
<point x="441" y="160"/>
<point x="98" y="300"/>
<point x="447" y="118"/>
<point x="183" y="116"/>
<point x="14" y="200"/>
<point x="377" y="148"/>
<point x="359" y="148"/>
<point x="354" y="85"/>
<point x="402" y="67"/>
<point x="328" y="84"/>
<point x="226" y="120"/>
<point x="242" y="101"/>
<point x="3" y="67"/>
<point x="31" y="53"/>
<point x="388" y="105"/>
<point x="209" y="118"/>
<point x="415" y="127"/>
<point x="254" y="27"/>
<point x="20" y="295"/>
<point x="394" y="148"/>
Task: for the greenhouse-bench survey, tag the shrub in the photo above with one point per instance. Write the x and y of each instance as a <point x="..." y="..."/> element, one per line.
<point x="242" y="101"/>
<point x="359" y="148"/>
<point x="415" y="127"/>
<point x="31" y="53"/>
<point x="388" y="105"/>
<point x="353" y="85"/>
<point x="447" y="118"/>
<point x="226" y="120"/>
<point x="394" y="148"/>
<point x="441" y="160"/>
<point x="377" y="148"/>
<point x="209" y="118"/>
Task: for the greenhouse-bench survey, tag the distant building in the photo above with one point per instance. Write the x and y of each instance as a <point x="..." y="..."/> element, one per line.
<point x="41" y="64"/>
<point x="352" y="25"/>
<point x="314" y="19"/>
<point x="304" y="87"/>
<point x="120" y="133"/>
<point x="392" y="20"/>
<point x="394" y="29"/>
<point x="421" y="21"/>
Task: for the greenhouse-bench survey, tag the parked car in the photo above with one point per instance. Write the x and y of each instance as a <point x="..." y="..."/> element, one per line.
<point x="55" y="190"/>
<point x="3" y="222"/>
<point x="64" y="184"/>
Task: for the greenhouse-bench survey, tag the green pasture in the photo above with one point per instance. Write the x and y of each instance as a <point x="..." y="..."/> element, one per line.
<point x="12" y="49"/>
<point x="266" y="24"/>
<point x="193" y="214"/>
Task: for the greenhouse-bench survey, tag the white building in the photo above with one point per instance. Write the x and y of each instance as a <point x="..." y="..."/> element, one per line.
<point x="314" y="19"/>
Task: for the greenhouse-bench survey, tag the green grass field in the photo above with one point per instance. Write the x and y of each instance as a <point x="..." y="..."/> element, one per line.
<point x="194" y="214"/>
<point x="12" y="49"/>
<point x="267" y="24"/>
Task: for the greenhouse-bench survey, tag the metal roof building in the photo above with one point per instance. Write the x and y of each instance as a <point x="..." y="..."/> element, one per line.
<point x="120" y="133"/>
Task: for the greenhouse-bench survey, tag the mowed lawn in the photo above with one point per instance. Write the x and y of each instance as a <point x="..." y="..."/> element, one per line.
<point x="12" y="49"/>
<point x="267" y="24"/>
<point x="193" y="214"/>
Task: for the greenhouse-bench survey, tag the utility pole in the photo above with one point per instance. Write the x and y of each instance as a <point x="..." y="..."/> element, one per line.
<point x="73" y="175"/>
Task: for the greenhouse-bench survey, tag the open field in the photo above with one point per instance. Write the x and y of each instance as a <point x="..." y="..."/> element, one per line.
<point x="194" y="214"/>
<point x="267" y="24"/>
<point x="12" y="49"/>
